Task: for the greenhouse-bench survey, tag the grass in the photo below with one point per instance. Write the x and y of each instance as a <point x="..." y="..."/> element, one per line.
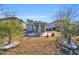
<point x="35" y="46"/>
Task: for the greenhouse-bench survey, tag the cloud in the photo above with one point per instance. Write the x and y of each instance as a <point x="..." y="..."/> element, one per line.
<point x="34" y="17"/>
<point x="37" y="17"/>
<point x="46" y="18"/>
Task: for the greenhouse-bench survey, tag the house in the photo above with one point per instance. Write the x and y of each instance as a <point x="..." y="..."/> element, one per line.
<point x="36" y="28"/>
<point x="53" y="25"/>
<point x="20" y="21"/>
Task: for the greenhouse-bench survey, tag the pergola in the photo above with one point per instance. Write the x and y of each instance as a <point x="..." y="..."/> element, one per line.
<point x="39" y="26"/>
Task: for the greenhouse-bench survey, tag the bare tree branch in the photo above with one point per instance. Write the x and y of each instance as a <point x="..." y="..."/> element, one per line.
<point x="67" y="13"/>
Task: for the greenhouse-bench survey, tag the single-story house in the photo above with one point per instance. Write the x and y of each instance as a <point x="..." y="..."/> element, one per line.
<point x="53" y="25"/>
<point x="16" y="19"/>
<point x="36" y="28"/>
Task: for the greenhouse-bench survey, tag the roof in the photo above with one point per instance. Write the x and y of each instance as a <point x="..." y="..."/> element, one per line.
<point x="57" y="23"/>
<point x="13" y="18"/>
<point x="40" y="23"/>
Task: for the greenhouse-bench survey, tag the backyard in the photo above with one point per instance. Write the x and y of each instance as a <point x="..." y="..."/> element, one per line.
<point x="35" y="46"/>
<point x="31" y="36"/>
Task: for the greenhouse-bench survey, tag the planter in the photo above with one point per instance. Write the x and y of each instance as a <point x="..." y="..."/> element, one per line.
<point x="8" y="46"/>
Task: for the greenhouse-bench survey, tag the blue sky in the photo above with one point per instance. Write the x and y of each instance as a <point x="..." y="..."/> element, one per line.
<point x="39" y="12"/>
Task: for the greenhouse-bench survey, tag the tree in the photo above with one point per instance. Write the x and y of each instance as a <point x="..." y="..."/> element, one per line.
<point x="29" y="21"/>
<point x="69" y="13"/>
<point x="7" y="13"/>
<point x="67" y="27"/>
<point x="10" y="29"/>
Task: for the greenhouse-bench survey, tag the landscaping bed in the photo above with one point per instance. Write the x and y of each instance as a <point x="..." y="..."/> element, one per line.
<point x="6" y="46"/>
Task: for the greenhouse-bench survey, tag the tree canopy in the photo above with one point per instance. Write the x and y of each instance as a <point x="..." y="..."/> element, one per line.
<point x="10" y="29"/>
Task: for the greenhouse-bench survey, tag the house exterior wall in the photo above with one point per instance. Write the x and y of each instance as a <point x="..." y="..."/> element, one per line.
<point x="54" y="24"/>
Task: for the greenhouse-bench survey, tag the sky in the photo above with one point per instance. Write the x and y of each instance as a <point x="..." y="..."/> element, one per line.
<point x="36" y="12"/>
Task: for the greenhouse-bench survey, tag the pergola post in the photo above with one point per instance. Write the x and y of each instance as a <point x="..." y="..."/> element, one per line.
<point x="39" y="30"/>
<point x="45" y="28"/>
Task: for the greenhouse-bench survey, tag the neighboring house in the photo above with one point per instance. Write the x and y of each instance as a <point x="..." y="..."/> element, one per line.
<point x="53" y="25"/>
<point x="16" y="19"/>
<point x="49" y="27"/>
<point x="23" y="23"/>
<point x="57" y="23"/>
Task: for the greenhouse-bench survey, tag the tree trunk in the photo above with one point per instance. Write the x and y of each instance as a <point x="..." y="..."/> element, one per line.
<point x="9" y="39"/>
<point x="69" y="38"/>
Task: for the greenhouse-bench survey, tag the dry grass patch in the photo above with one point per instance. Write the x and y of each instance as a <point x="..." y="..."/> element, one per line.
<point x="35" y="46"/>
